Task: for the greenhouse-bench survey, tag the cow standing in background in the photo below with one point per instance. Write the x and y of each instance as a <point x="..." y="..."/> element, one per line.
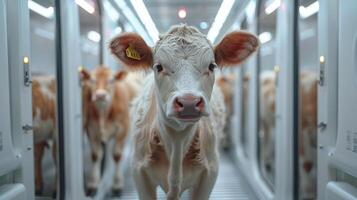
<point x="44" y="122"/>
<point x="106" y="99"/>
<point x="308" y="134"/>
<point x="180" y="113"/>
<point x="226" y="83"/>
<point x="267" y="122"/>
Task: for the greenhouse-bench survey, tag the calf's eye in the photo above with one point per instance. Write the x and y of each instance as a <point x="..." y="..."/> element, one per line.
<point x="159" y="68"/>
<point x="211" y="67"/>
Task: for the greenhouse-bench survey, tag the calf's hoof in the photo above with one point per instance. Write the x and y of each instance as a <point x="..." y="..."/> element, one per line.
<point x="38" y="191"/>
<point x="116" y="192"/>
<point x="91" y="192"/>
<point x="54" y="194"/>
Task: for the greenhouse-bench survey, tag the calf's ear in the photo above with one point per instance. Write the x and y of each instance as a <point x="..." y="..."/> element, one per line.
<point x="235" y="47"/>
<point x="84" y="73"/>
<point x="132" y="51"/>
<point x="120" y="75"/>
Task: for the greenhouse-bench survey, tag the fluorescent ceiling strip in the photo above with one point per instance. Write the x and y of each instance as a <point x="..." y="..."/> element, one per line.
<point x="308" y="11"/>
<point x="272" y="6"/>
<point x="220" y="18"/>
<point x="146" y="19"/>
<point x="110" y="10"/>
<point x="133" y="20"/>
<point x="85" y="6"/>
<point x="39" y="9"/>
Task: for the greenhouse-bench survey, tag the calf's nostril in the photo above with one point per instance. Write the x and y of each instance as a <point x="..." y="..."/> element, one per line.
<point x="178" y="103"/>
<point x="200" y="103"/>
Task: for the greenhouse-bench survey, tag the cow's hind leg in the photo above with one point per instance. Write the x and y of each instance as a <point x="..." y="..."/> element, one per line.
<point x="95" y="174"/>
<point x="146" y="189"/>
<point x="39" y="151"/>
<point x="205" y="186"/>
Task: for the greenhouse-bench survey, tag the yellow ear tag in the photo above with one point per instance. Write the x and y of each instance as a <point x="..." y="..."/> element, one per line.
<point x="132" y="53"/>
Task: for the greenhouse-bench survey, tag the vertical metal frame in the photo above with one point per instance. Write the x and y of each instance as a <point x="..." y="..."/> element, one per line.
<point x="284" y="146"/>
<point x="249" y="164"/>
<point x="7" y="153"/>
<point x="20" y="95"/>
<point x="327" y="93"/>
<point x="69" y="94"/>
<point x="296" y="101"/>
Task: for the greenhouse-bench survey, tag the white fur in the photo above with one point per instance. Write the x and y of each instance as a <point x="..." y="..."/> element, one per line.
<point x="185" y="55"/>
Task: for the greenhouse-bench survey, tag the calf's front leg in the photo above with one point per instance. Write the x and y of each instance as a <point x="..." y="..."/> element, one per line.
<point x="95" y="174"/>
<point x="206" y="184"/>
<point x="146" y="189"/>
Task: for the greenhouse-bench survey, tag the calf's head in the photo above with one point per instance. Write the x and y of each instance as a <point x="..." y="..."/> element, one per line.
<point x="183" y="61"/>
<point x="101" y="84"/>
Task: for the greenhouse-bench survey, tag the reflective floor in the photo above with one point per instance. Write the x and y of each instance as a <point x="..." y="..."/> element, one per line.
<point x="230" y="183"/>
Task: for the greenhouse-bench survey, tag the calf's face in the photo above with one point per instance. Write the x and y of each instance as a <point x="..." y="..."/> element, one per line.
<point x="183" y="61"/>
<point x="101" y="83"/>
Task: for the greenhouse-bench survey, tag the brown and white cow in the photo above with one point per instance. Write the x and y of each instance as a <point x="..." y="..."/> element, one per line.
<point x="267" y="122"/>
<point x="308" y="134"/>
<point x="226" y="83"/>
<point x="44" y="121"/>
<point x="106" y="99"/>
<point x="180" y="112"/>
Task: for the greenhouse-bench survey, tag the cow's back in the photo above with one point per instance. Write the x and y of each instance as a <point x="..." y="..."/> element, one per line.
<point x="43" y="107"/>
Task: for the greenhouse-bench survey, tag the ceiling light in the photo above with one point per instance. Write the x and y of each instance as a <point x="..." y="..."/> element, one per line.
<point x="220" y="18"/>
<point x="146" y="19"/>
<point x="110" y="10"/>
<point x="85" y="6"/>
<point x="133" y="20"/>
<point x="271" y="6"/>
<point x="39" y="9"/>
<point x="306" y="12"/>
<point x="118" y="30"/>
<point x="203" y="25"/>
<point x="265" y="37"/>
<point x="250" y="10"/>
<point x="94" y="36"/>
<point x="182" y="13"/>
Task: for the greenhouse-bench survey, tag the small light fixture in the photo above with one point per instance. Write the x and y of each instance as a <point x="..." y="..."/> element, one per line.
<point x="80" y="68"/>
<point x="203" y="25"/>
<point x="322" y="59"/>
<point x="276" y="68"/>
<point x="93" y="36"/>
<point x="182" y="13"/>
<point x="265" y="37"/>
<point x="118" y="30"/>
<point x="26" y="60"/>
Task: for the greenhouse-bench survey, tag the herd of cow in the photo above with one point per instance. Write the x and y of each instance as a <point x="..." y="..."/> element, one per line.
<point x="175" y="113"/>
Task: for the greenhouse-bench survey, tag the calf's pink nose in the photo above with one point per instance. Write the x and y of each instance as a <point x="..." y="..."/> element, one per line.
<point x="188" y="104"/>
<point x="100" y="95"/>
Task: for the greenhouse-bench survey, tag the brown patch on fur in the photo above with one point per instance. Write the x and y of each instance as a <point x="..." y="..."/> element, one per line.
<point x="94" y="157"/>
<point x="308" y="112"/>
<point x="117" y="157"/>
<point x="226" y="83"/>
<point x="193" y="154"/>
<point x="42" y="102"/>
<point x="234" y="48"/>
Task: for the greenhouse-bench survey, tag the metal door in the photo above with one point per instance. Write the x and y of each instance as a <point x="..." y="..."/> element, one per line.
<point x="16" y="171"/>
<point x="343" y="158"/>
